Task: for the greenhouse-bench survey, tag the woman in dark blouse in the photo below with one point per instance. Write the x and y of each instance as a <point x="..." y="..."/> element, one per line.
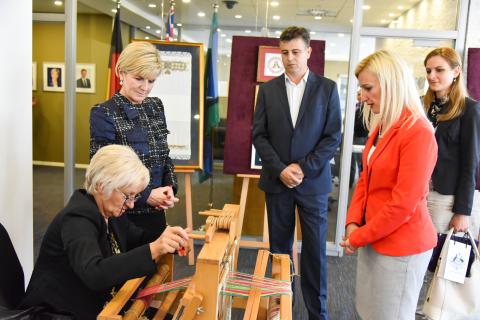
<point x="132" y="118"/>
<point x="453" y="200"/>
<point x="90" y="249"/>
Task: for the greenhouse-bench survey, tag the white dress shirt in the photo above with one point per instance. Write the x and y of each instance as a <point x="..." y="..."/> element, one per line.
<point x="295" y="95"/>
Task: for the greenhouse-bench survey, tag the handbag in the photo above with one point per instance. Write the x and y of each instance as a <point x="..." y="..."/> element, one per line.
<point x="448" y="300"/>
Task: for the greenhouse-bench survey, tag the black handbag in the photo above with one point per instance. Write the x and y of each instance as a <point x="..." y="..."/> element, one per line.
<point x="432" y="265"/>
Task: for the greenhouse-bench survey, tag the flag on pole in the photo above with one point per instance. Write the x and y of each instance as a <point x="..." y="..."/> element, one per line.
<point x="211" y="114"/>
<point x="116" y="48"/>
<point x="170" y="31"/>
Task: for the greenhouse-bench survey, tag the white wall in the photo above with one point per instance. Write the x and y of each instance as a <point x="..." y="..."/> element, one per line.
<point x="16" y="128"/>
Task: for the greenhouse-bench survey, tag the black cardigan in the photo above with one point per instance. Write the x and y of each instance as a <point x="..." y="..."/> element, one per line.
<point x="458" y="156"/>
<point x="76" y="270"/>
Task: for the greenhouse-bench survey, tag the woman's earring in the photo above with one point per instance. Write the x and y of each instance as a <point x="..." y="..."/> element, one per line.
<point x="121" y="81"/>
<point x="454" y="79"/>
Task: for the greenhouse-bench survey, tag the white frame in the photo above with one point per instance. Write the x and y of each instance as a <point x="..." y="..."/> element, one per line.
<point x="46" y="68"/>
<point x="91" y="75"/>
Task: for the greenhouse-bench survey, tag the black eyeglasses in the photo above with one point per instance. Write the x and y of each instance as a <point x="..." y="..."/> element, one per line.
<point x="130" y="198"/>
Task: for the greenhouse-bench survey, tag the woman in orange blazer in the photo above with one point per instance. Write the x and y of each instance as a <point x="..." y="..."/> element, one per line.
<point x="388" y="220"/>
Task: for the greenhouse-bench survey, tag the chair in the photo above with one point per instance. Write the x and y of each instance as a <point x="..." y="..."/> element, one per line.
<point x="12" y="283"/>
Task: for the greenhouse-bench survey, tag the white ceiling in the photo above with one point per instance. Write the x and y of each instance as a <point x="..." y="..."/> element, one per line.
<point x="336" y="18"/>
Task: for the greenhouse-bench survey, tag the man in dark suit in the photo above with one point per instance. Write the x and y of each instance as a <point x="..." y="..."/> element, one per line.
<point x="296" y="131"/>
<point x="83" y="81"/>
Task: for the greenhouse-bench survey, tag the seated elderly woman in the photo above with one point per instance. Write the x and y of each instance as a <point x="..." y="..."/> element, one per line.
<point x="90" y="249"/>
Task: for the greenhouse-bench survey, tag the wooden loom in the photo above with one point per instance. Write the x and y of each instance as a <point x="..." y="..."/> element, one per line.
<point x="202" y="300"/>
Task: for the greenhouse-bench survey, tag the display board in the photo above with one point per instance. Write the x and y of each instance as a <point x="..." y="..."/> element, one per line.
<point x="180" y="87"/>
<point x="241" y="98"/>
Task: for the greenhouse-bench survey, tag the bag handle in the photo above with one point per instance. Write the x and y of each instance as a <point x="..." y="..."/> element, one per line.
<point x="472" y="242"/>
<point x="474" y="245"/>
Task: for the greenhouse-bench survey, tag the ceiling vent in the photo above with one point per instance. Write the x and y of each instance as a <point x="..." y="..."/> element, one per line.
<point x="316" y="12"/>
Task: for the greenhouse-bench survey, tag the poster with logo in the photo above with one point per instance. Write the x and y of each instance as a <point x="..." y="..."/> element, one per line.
<point x="269" y="63"/>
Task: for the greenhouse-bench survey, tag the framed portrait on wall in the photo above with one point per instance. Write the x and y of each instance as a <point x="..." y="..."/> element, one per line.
<point x="34" y="76"/>
<point x="54" y="76"/>
<point x="85" y="77"/>
<point x="255" y="161"/>
<point x="180" y="87"/>
<point x="270" y="63"/>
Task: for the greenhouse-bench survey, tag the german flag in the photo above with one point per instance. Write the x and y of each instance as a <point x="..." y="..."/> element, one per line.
<point x="115" y="50"/>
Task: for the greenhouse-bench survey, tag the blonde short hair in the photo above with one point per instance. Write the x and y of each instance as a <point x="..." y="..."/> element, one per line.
<point x="140" y="59"/>
<point x="397" y="87"/>
<point x="115" y="167"/>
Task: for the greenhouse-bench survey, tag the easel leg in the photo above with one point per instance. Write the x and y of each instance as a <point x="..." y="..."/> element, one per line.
<point x="188" y="212"/>
<point x="243" y="203"/>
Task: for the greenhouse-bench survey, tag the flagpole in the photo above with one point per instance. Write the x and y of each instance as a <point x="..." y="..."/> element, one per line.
<point x="163" y="23"/>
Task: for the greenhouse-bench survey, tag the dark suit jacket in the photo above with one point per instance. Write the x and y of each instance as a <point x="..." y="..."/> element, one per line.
<point x="76" y="269"/>
<point x="458" y="156"/>
<point x="311" y="144"/>
<point x="80" y="83"/>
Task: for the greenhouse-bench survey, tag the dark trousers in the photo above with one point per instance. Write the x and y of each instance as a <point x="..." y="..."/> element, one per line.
<point x="313" y="262"/>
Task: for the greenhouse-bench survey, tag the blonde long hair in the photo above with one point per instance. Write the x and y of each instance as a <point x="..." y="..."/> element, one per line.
<point x="397" y="87"/>
<point x="457" y="93"/>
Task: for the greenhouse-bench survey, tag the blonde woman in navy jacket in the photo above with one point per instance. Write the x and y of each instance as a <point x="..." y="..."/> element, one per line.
<point x="453" y="200"/>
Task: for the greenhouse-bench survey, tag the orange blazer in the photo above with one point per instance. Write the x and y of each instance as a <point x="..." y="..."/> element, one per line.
<point x="389" y="203"/>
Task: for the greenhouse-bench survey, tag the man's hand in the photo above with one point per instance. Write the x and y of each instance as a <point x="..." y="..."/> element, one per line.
<point x="459" y="223"/>
<point x="162" y="198"/>
<point x="292" y="175"/>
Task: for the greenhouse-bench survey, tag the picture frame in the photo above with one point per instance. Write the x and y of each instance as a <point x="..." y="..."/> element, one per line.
<point x="85" y="77"/>
<point x="180" y="86"/>
<point x="34" y="76"/>
<point x="255" y="160"/>
<point x="54" y="76"/>
<point x="269" y="64"/>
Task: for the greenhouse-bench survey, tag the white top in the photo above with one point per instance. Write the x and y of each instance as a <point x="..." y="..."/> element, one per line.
<point x="370" y="153"/>
<point x="295" y="95"/>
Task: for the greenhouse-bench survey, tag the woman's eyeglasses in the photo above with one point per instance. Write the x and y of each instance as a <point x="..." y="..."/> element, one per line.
<point x="130" y="198"/>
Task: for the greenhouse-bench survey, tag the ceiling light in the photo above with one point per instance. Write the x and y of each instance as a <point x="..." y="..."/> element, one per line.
<point x="152" y="5"/>
<point x="341" y="35"/>
<point x="391" y="14"/>
<point x="278" y="32"/>
<point x="186" y="1"/>
<point x="400" y="7"/>
<point x="383" y="21"/>
<point x="351" y="20"/>
<point x="228" y="40"/>
<point x="114" y="10"/>
<point x="366" y="7"/>
<point x="276" y="17"/>
<point x="318" y="17"/>
<point x="274" y="3"/>
<point x="158" y="31"/>
<point x="218" y="29"/>
<point x="179" y="24"/>
<point x="223" y="35"/>
<point x="238" y="16"/>
<point x="147" y="37"/>
<point x="58" y="3"/>
<point x="147" y="27"/>
<point x="201" y="14"/>
<point x="312" y="32"/>
<point x="332" y="44"/>
<point x="248" y="31"/>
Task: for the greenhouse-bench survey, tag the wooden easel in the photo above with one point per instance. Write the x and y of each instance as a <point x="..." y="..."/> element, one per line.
<point x="264" y="244"/>
<point x="188" y="209"/>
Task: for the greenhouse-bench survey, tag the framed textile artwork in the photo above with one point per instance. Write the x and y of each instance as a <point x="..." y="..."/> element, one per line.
<point x="270" y="63"/>
<point x="180" y="87"/>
